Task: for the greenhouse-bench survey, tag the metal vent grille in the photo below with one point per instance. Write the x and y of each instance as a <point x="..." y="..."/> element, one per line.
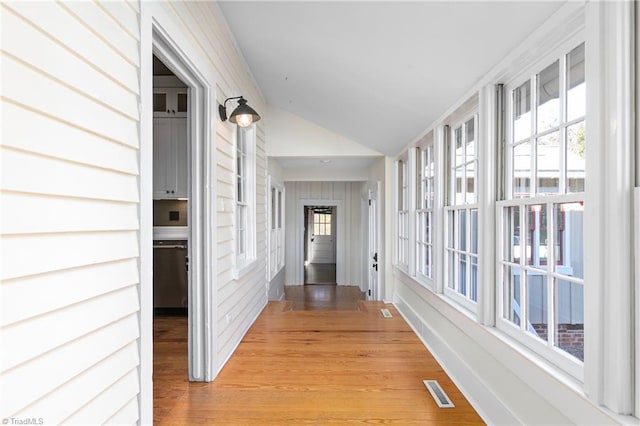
<point x="438" y="394"/>
<point x="386" y="313"/>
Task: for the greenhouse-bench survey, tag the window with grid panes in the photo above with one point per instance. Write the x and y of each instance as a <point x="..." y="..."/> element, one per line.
<point x="245" y="197"/>
<point x="541" y="250"/>
<point x="425" y="180"/>
<point x="402" y="214"/>
<point x="461" y="213"/>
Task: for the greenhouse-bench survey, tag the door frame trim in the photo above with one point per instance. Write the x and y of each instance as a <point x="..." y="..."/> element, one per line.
<point x="374" y="188"/>
<point x="156" y="38"/>
<point x="340" y="242"/>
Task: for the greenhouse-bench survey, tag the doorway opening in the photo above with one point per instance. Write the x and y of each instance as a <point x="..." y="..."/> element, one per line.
<point x="179" y="159"/>
<point x="171" y="211"/>
<point x="320" y="245"/>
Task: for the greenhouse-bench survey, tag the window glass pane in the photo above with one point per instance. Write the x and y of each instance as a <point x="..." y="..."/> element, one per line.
<point x="536" y="248"/>
<point x="462" y="230"/>
<point x="429" y="261"/>
<point x="470" y="139"/>
<point x="274" y="203"/>
<point x="279" y="208"/>
<point x="548" y="91"/>
<point x="451" y="230"/>
<point x="459" y="194"/>
<point x="459" y="148"/>
<point x="427" y="227"/>
<point x="537" y="304"/>
<point x="473" y="294"/>
<point x="522" y="170"/>
<point x="512" y="232"/>
<point x="548" y="164"/>
<point x="429" y="194"/>
<point x="462" y="274"/>
<point x="451" y="262"/>
<point x="569" y="330"/>
<point x="240" y="193"/>
<point x="511" y="294"/>
<point x="471" y="182"/>
<point x="575" y="158"/>
<point x="159" y="102"/>
<point x="474" y="231"/>
<point x="522" y="112"/>
<point x="569" y="239"/>
<point x="239" y="164"/>
<point x="576" y="87"/>
<point x="182" y="102"/>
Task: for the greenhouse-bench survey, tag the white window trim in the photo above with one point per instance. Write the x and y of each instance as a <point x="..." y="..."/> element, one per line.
<point x="243" y="264"/>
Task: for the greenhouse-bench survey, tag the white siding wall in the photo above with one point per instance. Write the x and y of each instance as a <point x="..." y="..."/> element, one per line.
<point x="351" y="236"/>
<point x="69" y="196"/>
<point x="70" y="202"/>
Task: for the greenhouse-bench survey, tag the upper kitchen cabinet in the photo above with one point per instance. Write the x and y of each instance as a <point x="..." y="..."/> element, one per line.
<point x="170" y="157"/>
<point x="170" y="102"/>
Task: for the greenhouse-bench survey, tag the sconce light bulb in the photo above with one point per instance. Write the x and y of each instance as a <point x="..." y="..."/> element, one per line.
<point x="244" y="120"/>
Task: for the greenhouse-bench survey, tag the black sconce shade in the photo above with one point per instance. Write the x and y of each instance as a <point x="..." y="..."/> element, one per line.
<point x="243" y="115"/>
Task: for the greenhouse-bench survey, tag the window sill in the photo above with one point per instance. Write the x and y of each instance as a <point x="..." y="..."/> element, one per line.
<point x="244" y="268"/>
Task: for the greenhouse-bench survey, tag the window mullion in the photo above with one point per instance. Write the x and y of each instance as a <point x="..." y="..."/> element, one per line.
<point x="562" y="130"/>
<point x="551" y="281"/>
<point x="533" y="174"/>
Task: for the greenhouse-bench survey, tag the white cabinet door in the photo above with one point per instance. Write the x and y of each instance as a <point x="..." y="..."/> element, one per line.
<point x="181" y="164"/>
<point x="170" y="158"/>
<point x="170" y="102"/>
<point x="162" y="152"/>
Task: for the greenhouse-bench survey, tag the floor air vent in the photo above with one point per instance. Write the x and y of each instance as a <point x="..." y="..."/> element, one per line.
<point x="438" y="394"/>
<point x="386" y="313"/>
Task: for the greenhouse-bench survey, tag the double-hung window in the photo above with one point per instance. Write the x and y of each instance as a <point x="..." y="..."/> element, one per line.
<point x="425" y="184"/>
<point x="461" y="213"/>
<point x="276" y="232"/>
<point x="245" y="199"/>
<point x="541" y="242"/>
<point x="402" y="214"/>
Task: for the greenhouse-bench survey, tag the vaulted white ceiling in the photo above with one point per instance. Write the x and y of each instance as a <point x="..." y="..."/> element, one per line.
<point x="376" y="72"/>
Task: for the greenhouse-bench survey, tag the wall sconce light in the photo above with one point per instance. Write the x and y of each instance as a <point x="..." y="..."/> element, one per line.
<point x="243" y="115"/>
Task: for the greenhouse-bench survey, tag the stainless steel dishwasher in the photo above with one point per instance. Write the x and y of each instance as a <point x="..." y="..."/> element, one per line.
<point x="170" y="279"/>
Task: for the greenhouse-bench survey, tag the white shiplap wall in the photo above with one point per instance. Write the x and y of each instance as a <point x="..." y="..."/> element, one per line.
<point x="69" y="196"/>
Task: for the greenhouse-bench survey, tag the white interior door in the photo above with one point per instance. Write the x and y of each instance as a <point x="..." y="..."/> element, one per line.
<point x="373" y="292"/>
<point x="322" y="244"/>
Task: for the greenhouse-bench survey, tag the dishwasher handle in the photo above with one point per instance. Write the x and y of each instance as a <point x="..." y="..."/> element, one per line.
<point x="170" y="246"/>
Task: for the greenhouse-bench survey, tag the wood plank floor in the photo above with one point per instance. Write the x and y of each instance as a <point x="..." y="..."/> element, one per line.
<point x="320" y="273"/>
<point x="308" y="367"/>
<point x="320" y="297"/>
